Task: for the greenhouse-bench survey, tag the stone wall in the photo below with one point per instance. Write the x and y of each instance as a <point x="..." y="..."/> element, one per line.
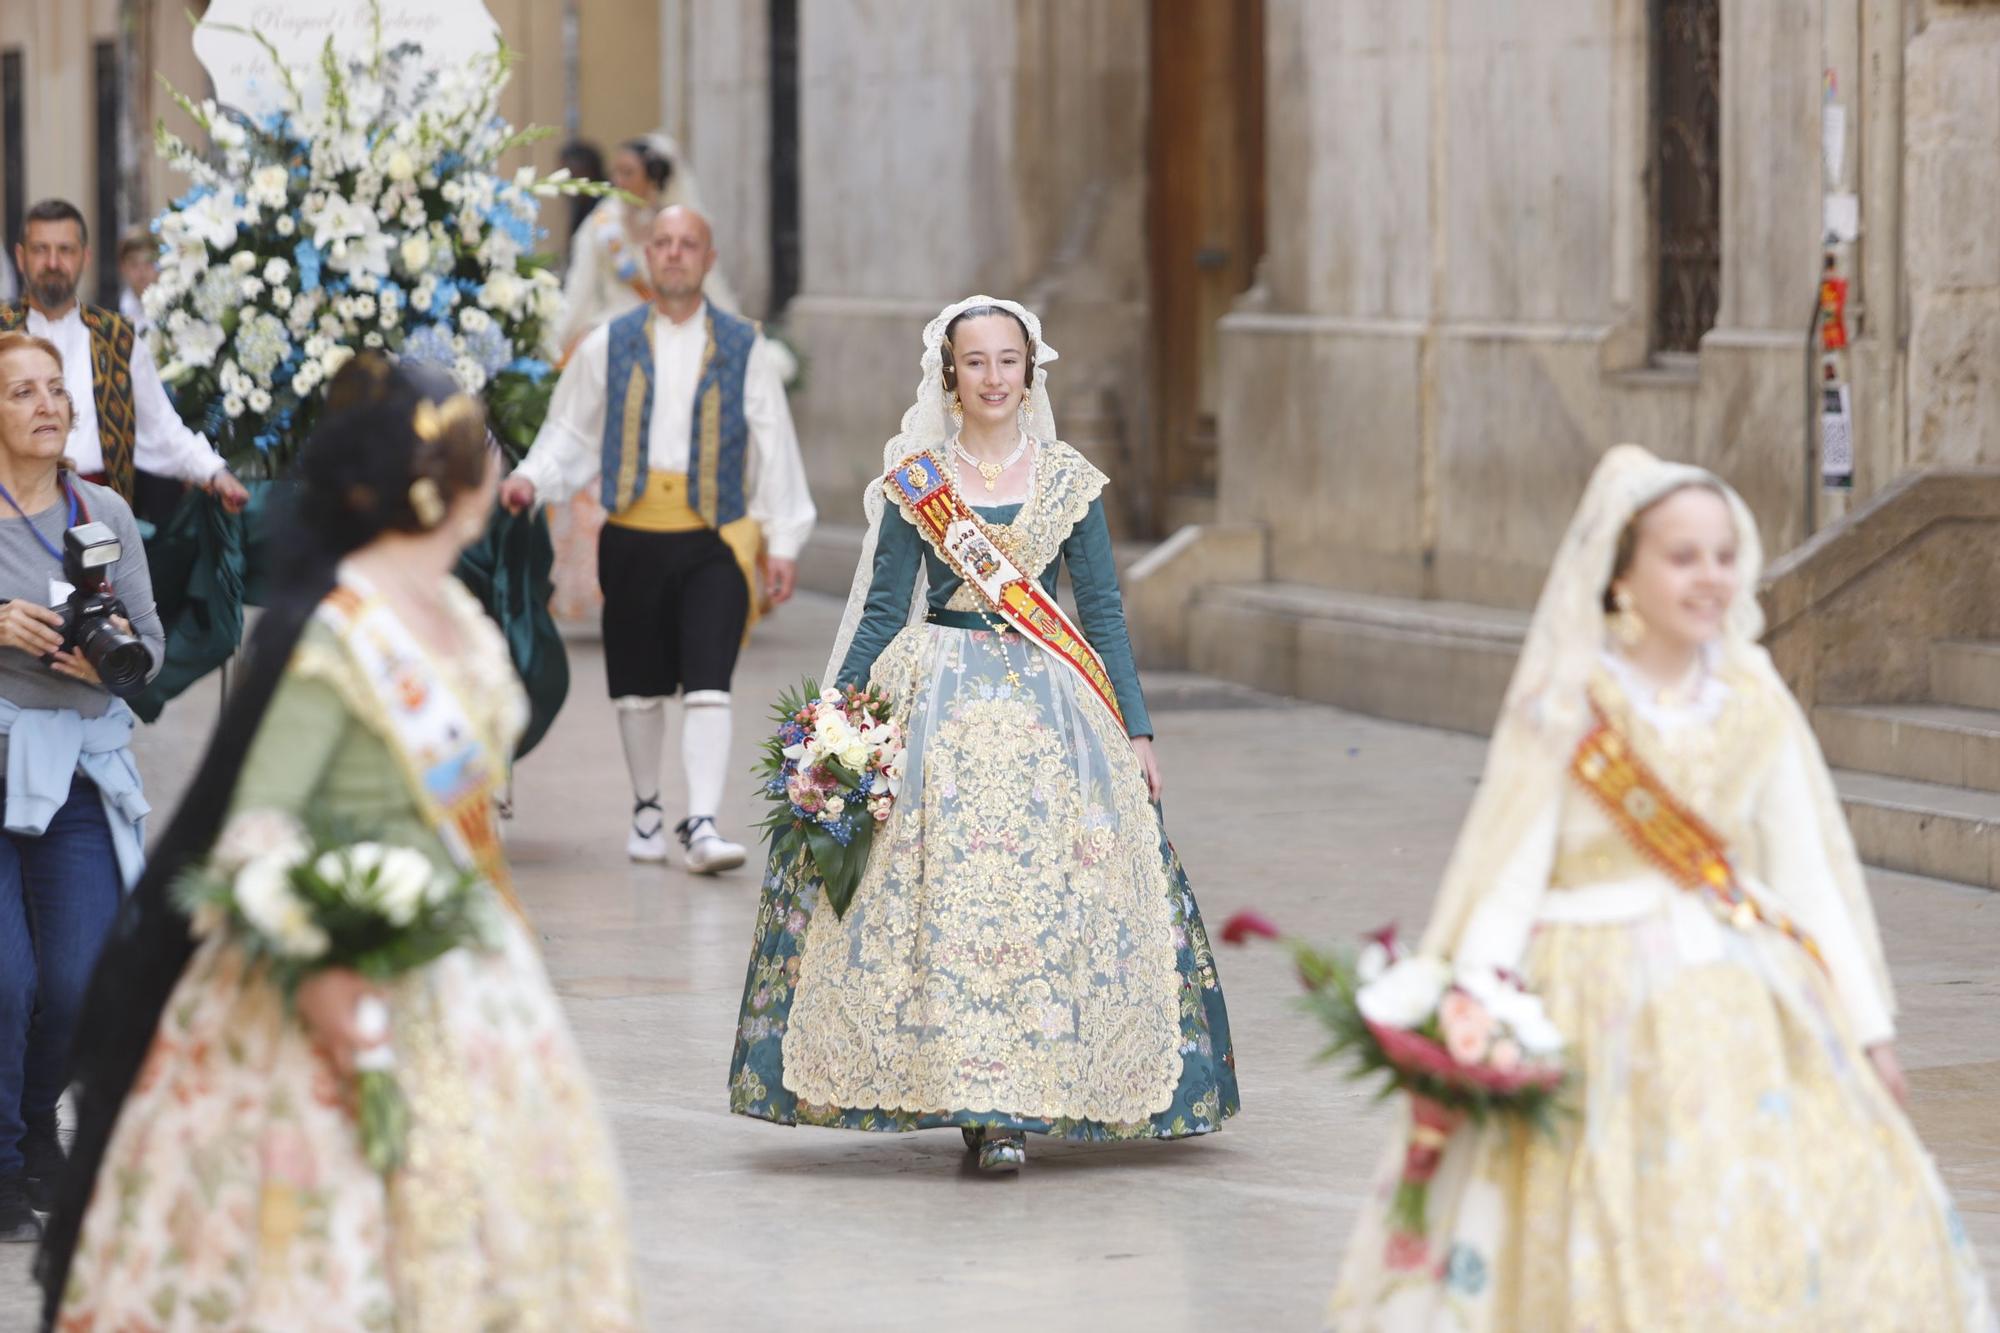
<point x="1455" y="315"/>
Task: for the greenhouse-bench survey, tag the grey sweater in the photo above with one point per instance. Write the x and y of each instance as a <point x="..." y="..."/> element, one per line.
<point x="25" y="572"/>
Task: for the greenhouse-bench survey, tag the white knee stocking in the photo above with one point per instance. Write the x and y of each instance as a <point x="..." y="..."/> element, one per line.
<point x="642" y="729"/>
<point x="705" y="750"/>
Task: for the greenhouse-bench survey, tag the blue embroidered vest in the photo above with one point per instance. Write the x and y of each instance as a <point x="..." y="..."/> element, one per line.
<point x="718" y="437"/>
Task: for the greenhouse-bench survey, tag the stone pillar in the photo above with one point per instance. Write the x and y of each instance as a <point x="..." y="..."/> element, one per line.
<point x="1952" y="189"/>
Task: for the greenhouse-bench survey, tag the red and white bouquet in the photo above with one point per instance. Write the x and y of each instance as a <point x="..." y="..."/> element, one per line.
<point x="1464" y="1042"/>
<point x="832" y="772"/>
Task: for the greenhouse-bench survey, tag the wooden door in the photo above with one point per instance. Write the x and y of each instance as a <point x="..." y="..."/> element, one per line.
<point x="1205" y="226"/>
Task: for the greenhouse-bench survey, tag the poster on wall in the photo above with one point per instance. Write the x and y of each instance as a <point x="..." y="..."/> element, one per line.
<point x="1836" y="434"/>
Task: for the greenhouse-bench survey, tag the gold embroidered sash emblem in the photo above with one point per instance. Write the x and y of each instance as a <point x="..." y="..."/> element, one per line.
<point x="924" y="489"/>
<point x="1666" y="832"/>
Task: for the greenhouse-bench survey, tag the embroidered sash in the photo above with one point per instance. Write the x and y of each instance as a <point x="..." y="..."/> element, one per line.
<point x="1666" y="832"/>
<point x="446" y="757"/>
<point x="924" y="491"/>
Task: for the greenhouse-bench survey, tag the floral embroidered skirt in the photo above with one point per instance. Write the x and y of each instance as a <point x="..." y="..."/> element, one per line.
<point x="1732" y="1162"/>
<point x="1023" y="951"/>
<point x="233" y="1193"/>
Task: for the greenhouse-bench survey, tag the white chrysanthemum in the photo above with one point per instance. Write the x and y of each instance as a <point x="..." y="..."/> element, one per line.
<point x="277" y="270"/>
<point x="270" y="187"/>
<point x="232" y="407"/>
<point x="415" y="252"/>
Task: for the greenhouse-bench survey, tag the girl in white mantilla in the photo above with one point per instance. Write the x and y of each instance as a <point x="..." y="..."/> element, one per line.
<point x="1023" y="954"/>
<point x="1657" y="848"/>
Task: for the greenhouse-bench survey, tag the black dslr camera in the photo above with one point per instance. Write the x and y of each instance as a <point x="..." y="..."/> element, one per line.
<point x="89" y="549"/>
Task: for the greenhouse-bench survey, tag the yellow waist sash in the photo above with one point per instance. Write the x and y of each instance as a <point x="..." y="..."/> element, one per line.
<point x="663" y="507"/>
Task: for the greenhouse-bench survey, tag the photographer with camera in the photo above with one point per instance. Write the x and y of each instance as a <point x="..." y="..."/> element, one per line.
<point x="77" y="632"/>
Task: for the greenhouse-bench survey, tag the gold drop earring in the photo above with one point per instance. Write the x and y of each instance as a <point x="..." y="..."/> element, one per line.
<point x="1025" y="416"/>
<point x="1627" y="626"/>
<point x="956" y="408"/>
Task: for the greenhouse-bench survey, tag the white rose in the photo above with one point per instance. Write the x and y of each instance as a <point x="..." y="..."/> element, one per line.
<point x="1406" y="994"/>
<point x="1515" y="1009"/>
<point x="1372" y="963"/>
<point x="264" y="895"/>
<point x="260" y="401"/>
<point x="415" y="252"/>
<point x="400" y="166"/>
<point x="335" y="358"/>
<point x="855" y="757"/>
<point x="232" y="406"/>
<point x="402" y="883"/>
<point x="244" y="262"/>
<point x="836" y="806"/>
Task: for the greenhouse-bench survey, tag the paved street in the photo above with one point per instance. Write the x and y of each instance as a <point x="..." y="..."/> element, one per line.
<point x="1328" y="822"/>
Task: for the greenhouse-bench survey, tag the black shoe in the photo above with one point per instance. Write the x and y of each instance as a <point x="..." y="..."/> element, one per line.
<point x="42" y="1163"/>
<point x="18" y="1222"/>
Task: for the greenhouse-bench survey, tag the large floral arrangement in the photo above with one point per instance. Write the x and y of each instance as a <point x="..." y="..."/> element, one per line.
<point x="832" y="772"/>
<point x="366" y="212"/>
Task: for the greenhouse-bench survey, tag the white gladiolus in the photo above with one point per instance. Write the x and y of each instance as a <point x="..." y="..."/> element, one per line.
<point x="1406" y="994"/>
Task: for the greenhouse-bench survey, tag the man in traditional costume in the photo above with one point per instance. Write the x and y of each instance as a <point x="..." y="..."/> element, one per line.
<point x="677" y="409"/>
<point x="127" y="436"/>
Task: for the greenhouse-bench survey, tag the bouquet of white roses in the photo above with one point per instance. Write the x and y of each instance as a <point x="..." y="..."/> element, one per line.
<point x="296" y="903"/>
<point x="832" y="771"/>
<point x="367" y="212"/>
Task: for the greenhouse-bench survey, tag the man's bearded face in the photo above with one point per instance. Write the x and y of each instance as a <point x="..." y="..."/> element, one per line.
<point x="52" y="257"/>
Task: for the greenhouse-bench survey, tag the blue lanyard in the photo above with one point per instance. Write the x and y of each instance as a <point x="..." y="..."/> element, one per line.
<point x="54" y="554"/>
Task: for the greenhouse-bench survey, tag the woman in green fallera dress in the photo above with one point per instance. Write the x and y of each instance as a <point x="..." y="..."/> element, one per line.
<point x="1023" y="953"/>
<point x="218" y="1180"/>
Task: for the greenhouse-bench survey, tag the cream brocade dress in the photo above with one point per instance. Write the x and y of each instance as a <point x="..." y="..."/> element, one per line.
<point x="1732" y="1162"/>
<point x="233" y="1193"/>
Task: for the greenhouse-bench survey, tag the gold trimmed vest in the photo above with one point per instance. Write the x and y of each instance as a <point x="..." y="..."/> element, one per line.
<point x="718" y="437"/>
<point x="111" y="337"/>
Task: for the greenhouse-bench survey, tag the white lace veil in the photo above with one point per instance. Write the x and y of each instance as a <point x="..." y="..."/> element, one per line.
<point x="1546" y="711"/>
<point x="927" y="425"/>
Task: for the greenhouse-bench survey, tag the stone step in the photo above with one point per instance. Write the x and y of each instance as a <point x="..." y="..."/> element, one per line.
<point x="1923" y="828"/>
<point x="1442" y="664"/>
<point x="1935" y="743"/>
<point x="1966" y="673"/>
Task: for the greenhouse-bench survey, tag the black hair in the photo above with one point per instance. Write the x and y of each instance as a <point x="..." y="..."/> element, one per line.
<point x="54" y="210"/>
<point x="585" y="162"/>
<point x="659" y="167"/>
<point x="976" y="312"/>
<point x="384" y="425"/>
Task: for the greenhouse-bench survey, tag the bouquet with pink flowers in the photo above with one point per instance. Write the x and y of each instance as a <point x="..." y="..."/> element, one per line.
<point x="1463" y="1042"/>
<point x="832" y="771"/>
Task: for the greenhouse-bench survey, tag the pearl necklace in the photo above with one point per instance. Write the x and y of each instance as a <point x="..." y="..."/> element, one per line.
<point x="991" y="473"/>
